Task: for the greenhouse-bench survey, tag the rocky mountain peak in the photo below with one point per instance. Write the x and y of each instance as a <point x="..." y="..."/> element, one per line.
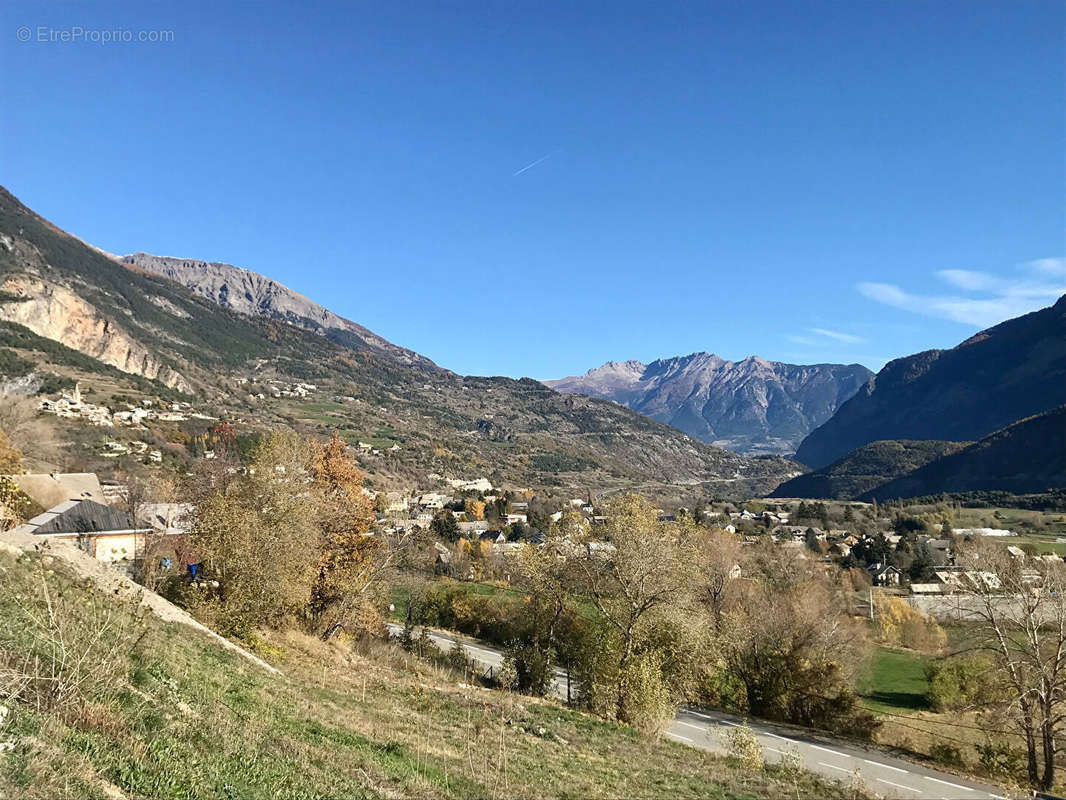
<point x="250" y="293"/>
<point x="752" y="406"/>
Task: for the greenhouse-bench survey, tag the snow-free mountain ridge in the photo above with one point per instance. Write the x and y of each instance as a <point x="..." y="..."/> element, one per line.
<point x="753" y="406"/>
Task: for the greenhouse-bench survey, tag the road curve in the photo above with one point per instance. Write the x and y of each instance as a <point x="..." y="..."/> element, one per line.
<point x="884" y="774"/>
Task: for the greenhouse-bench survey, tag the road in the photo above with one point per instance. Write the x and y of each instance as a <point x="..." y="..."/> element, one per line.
<point x="883" y="773"/>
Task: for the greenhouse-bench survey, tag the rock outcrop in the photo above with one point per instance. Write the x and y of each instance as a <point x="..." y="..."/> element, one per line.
<point x="55" y="312"/>
<point x="250" y="293"/>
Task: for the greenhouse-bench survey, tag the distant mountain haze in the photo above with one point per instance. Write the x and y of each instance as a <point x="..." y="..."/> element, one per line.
<point x="752" y="406"/>
<point x="996" y="377"/>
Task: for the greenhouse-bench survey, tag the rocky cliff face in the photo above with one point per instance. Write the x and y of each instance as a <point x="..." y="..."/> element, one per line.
<point x="752" y="406"/>
<point x="253" y="294"/>
<point x="55" y="312"/>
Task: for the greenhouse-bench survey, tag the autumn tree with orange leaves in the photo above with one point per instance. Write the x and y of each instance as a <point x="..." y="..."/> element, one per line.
<point x="349" y="555"/>
<point x="289" y="540"/>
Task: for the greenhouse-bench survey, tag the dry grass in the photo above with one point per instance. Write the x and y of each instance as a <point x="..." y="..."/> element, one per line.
<point x="194" y="720"/>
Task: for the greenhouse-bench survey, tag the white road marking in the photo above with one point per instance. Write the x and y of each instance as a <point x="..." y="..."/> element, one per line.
<point x="775" y="750"/>
<point x="698" y="714"/>
<point x="730" y="724"/>
<point x="827" y="750"/>
<point x="948" y="783"/>
<point x="700" y="728"/>
<point x="842" y="769"/>
<point x="900" y="786"/>
<point x="782" y="738"/>
<point x="886" y="766"/>
<point x="679" y="736"/>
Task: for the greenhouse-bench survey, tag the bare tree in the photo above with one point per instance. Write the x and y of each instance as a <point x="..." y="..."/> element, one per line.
<point x="638" y="573"/>
<point x="785" y="637"/>
<point x="27" y="430"/>
<point x="718" y="554"/>
<point x="1020" y="621"/>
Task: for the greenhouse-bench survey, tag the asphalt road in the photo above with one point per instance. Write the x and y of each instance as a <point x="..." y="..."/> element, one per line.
<point x="884" y="774"/>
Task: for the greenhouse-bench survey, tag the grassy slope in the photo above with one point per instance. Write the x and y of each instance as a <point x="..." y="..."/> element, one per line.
<point x="187" y="719"/>
<point x="896" y="683"/>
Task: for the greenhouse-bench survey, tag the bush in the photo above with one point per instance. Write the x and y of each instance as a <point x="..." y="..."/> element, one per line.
<point x="1001" y="760"/>
<point x="946" y="754"/>
<point x="791" y="763"/>
<point x="530" y="668"/>
<point x="744" y="748"/>
<point x="458" y="659"/>
<point x="955" y="683"/>
<point x="646" y="701"/>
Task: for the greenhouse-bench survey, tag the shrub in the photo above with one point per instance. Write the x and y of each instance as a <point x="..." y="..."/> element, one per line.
<point x="946" y="754"/>
<point x="645" y="699"/>
<point x="1001" y="760"/>
<point x="529" y="668"/>
<point x="744" y="748"/>
<point x="791" y="763"/>
<point x="955" y="683"/>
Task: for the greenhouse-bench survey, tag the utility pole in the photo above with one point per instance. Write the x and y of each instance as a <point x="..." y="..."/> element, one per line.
<point x="871" y="604"/>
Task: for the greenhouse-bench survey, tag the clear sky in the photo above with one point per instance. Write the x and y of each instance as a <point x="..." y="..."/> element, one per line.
<point x="533" y="188"/>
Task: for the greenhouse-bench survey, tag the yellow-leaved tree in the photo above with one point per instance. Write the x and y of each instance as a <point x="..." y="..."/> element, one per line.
<point x="899" y="623"/>
<point x="475" y="509"/>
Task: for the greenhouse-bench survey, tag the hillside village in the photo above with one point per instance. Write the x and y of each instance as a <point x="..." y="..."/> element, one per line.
<point x="73" y="406"/>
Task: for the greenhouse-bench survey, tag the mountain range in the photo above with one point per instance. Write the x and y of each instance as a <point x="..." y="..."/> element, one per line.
<point x="866" y="468"/>
<point x="751" y="406"/>
<point x="987" y="414"/>
<point x="1026" y="456"/>
<point x="993" y="379"/>
<point x="218" y="336"/>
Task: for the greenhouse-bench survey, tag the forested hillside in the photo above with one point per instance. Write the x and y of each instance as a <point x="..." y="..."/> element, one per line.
<point x="994" y="378"/>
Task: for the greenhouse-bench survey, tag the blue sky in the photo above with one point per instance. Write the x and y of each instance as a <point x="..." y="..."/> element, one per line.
<point x="533" y="188"/>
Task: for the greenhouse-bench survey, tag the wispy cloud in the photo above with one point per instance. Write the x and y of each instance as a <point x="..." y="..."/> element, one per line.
<point x="969" y="280"/>
<point x="532" y="164"/>
<point x="1053" y="267"/>
<point x="989" y="299"/>
<point x="847" y="338"/>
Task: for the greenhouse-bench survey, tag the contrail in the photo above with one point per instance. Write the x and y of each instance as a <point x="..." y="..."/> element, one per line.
<point x="533" y="164"/>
